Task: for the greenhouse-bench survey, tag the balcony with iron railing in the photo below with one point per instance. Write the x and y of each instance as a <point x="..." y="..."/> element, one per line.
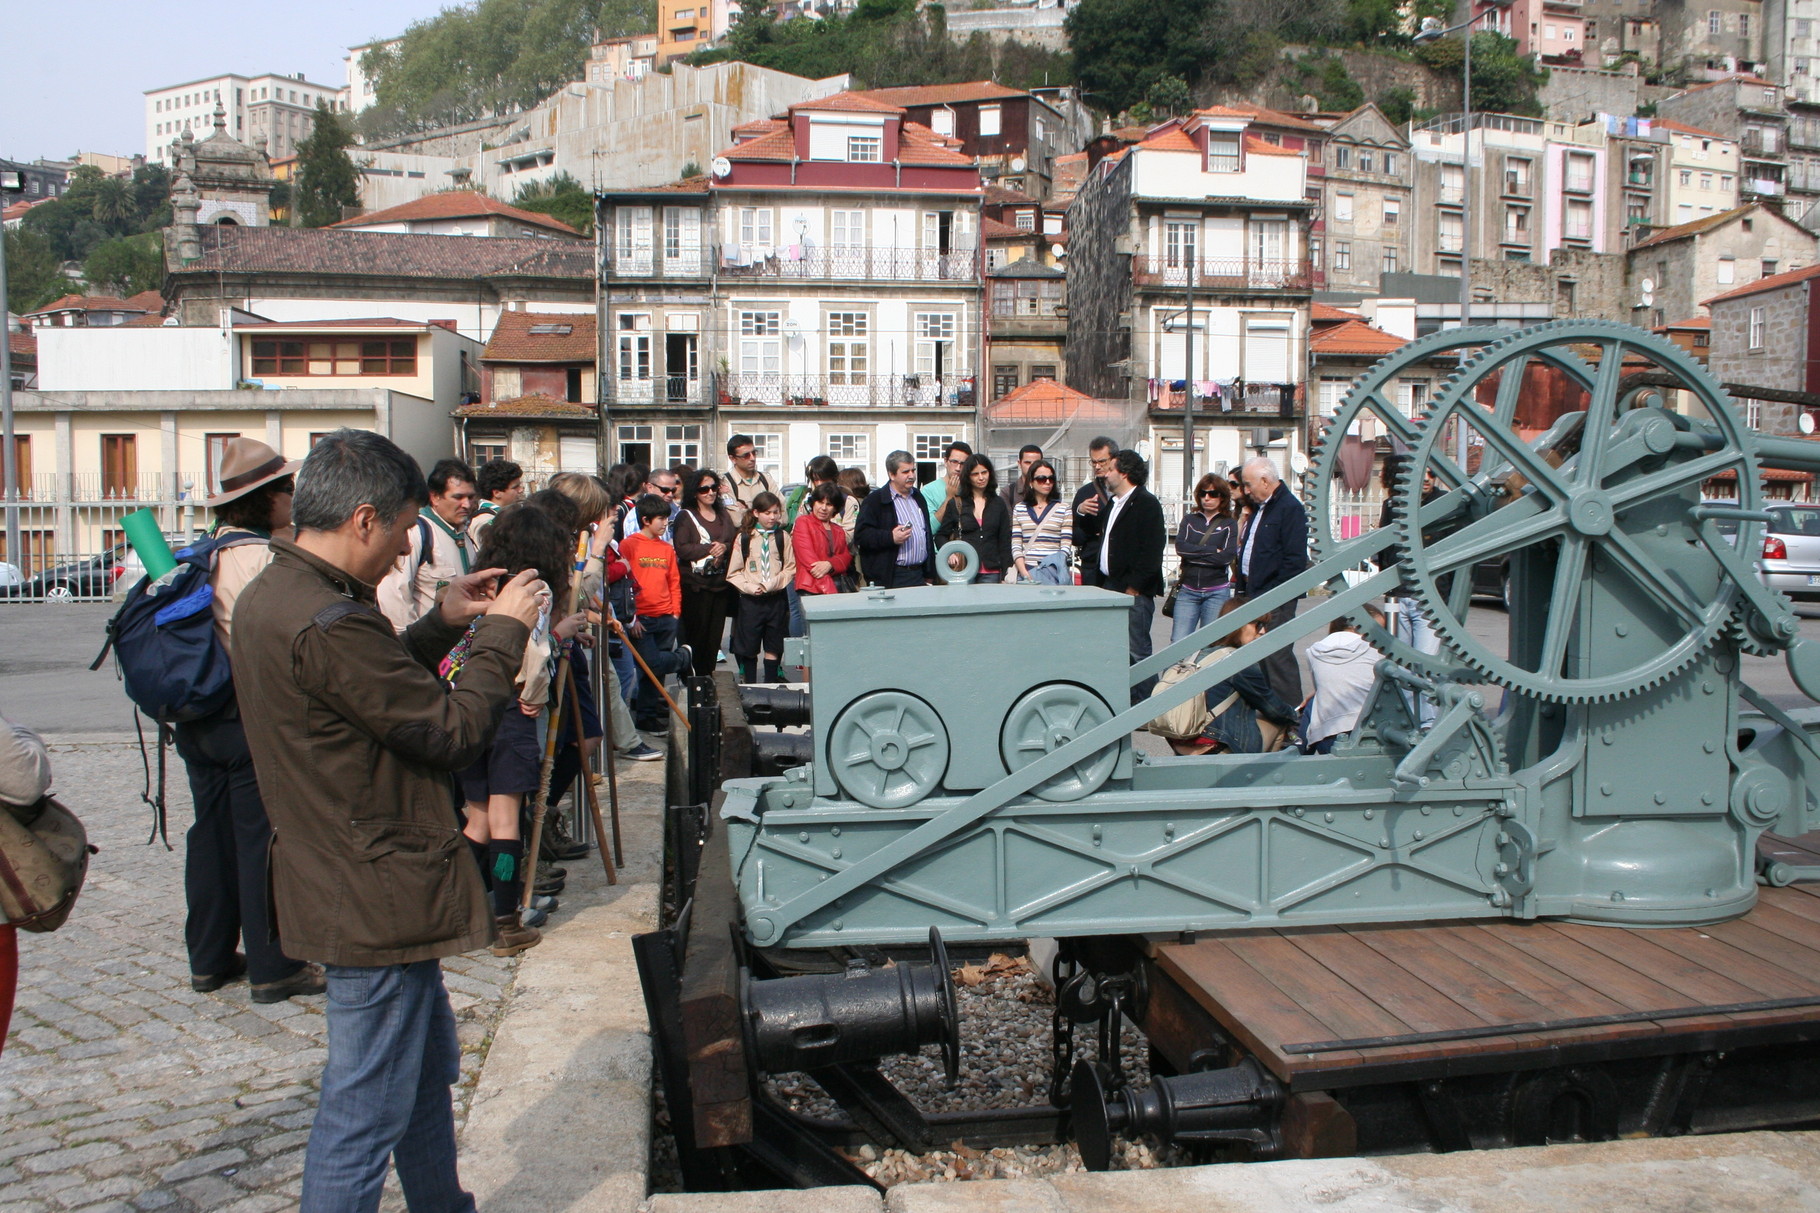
<point x="650" y="263"/>
<point x="746" y="389"/>
<point x="1451" y="195"/>
<point x="1758" y="142"/>
<point x="857" y="264"/>
<point x="664" y="392"/>
<point x="1225" y="274"/>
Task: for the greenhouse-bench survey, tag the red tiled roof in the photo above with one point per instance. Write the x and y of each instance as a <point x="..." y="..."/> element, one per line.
<point x="848" y="102"/>
<point x="329" y="252"/>
<point x="1693" y="322"/>
<point x="1224" y="111"/>
<point x="683" y="185"/>
<point x="1739" y="78"/>
<point x="527" y="406"/>
<point x="86" y="303"/>
<point x="992" y="229"/>
<point x="1046" y="402"/>
<point x="1326" y="313"/>
<point x="1664" y="124"/>
<point x="455" y="204"/>
<point x="1355" y="338"/>
<point x="1172" y="140"/>
<point x="23" y="345"/>
<point x="150" y="320"/>
<point x="1265" y="117"/>
<point x="1773" y="282"/>
<point x="916" y="145"/>
<point x="760" y="126"/>
<point x="998" y="195"/>
<point x="1785" y="474"/>
<point x="513" y="340"/>
<point x="911" y="96"/>
<point x="1259" y="147"/>
<point x="313" y="326"/>
<point x="17" y="210"/>
<point x="1704" y="223"/>
<point x="147" y="301"/>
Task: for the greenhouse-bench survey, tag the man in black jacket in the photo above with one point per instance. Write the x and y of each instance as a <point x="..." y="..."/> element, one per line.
<point x="1273" y="549"/>
<point x="1131" y="556"/>
<point x="895" y="541"/>
<point x="1090" y="504"/>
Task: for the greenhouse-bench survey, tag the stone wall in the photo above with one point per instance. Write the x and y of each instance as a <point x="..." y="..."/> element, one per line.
<point x="1580" y="285"/>
<point x="1030" y="26"/>
<point x="1571" y="94"/>
<point x="1782" y="360"/>
<point x="1099" y="284"/>
<point x="1375" y="73"/>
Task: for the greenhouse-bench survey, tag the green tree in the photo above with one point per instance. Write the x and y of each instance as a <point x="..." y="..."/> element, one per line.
<point x="1122" y="47"/>
<point x="326" y="181"/>
<point x="1336" y="89"/>
<point x="126" y="265"/>
<point x="1503" y="81"/>
<point x="1168" y="97"/>
<point x="752" y="28"/>
<point x="1398" y="104"/>
<point x="560" y="197"/>
<point x="34" y="272"/>
<point x="113" y="205"/>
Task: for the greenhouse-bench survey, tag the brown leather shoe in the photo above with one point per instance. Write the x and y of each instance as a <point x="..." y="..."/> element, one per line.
<point x="310" y="979"/>
<point x="513" y="938"/>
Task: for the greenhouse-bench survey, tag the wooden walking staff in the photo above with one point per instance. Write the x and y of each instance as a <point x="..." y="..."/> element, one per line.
<point x="655" y="680"/>
<point x="587" y="782"/>
<point x="552" y="736"/>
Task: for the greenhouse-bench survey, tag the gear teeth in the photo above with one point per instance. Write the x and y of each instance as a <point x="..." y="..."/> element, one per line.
<point x="1406" y="506"/>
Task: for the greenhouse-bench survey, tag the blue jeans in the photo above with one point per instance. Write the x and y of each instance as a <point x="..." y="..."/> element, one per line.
<point x="658" y="648"/>
<point x="1143" y="611"/>
<point x="1195" y="609"/>
<point x="385" y="1093"/>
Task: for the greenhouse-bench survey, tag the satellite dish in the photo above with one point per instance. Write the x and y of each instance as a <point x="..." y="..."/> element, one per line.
<point x="1804" y="422"/>
<point x="1298" y="463"/>
<point x="1647" y="285"/>
<point x="720" y="167"/>
<point x="1058" y="250"/>
<point x="1017" y="164"/>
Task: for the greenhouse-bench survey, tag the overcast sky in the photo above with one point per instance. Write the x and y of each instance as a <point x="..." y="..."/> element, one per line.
<point x="76" y="72"/>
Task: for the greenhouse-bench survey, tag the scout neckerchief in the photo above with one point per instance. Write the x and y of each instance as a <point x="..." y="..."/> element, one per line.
<point x="461" y="540"/>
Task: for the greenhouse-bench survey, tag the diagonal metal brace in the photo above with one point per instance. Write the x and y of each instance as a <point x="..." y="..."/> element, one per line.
<point x="1462" y="706"/>
<point x="768" y="924"/>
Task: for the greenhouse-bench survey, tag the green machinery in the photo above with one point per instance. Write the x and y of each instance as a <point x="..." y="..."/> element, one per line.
<point x="974" y="770"/>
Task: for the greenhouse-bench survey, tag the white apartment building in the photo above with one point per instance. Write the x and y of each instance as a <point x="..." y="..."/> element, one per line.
<point x="1703" y="172"/>
<point x="359" y="93"/>
<point x="279" y="109"/>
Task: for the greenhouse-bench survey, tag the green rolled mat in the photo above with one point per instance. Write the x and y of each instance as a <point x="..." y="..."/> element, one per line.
<point x="147" y="539"/>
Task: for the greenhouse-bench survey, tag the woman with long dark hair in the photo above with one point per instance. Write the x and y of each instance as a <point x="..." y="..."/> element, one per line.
<point x="704" y="537"/>
<point x="494" y="788"/>
<point x="1042" y="528"/>
<point x="820" y="545"/>
<point x="977" y="515"/>
<point x="1208" y="542"/>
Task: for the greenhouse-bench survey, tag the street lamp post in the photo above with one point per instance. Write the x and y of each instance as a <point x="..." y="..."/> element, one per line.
<point x="1430" y="31"/>
<point x="11" y="182"/>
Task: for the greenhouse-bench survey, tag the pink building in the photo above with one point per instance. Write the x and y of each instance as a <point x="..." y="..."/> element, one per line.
<point x="1552" y="29"/>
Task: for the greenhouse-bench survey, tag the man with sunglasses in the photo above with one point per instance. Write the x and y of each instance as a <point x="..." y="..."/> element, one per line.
<point x="746" y="481"/>
<point x="1091" y="502"/>
<point x="662" y="482"/>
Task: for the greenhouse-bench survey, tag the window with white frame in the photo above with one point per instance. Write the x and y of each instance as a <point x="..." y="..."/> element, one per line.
<point x="989" y="120"/>
<point x="1390" y="163"/>
<point x="760" y="343"/>
<point x="1342" y="208"/>
<point x="1178" y="243"/>
<point x="1715" y="23"/>
<point x="1393" y="212"/>
<point x="768" y="449"/>
<point x="682" y="444"/>
<point x="928" y="448"/>
<point x="682" y="237"/>
<point x="865" y="149"/>
<point x="1754" y="338"/>
<point x="1366" y="160"/>
<point x="847" y="229"/>
<point x="942" y="122"/>
<point x="634" y="443"/>
<point x="849" y="450"/>
<point x="934" y="344"/>
<point x="1222" y="151"/>
<point x="1025" y="220"/>
<point x="1727" y="271"/>
<point x="1342" y="156"/>
<point x="1390" y="259"/>
<point x="755" y="227"/>
<point x="1753" y="413"/>
<point x="995" y="259"/>
<point x="1342" y="254"/>
<point x="634" y="236"/>
<point x="634" y="348"/>
<point x="848" y="347"/>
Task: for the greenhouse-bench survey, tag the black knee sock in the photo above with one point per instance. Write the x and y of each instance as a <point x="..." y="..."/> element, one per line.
<point x="506" y="857"/>
<point x="773" y="668"/>
<point x="748" y="669"/>
<point x="479" y="851"/>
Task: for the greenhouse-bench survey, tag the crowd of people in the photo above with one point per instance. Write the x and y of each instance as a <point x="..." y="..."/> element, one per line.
<point x="410" y="637"/>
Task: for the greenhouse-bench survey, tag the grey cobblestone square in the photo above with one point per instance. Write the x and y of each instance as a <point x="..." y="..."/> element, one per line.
<point x="122" y="1089"/>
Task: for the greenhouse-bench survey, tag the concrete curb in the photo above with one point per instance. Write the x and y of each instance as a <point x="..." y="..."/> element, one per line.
<point x="1768" y="1171"/>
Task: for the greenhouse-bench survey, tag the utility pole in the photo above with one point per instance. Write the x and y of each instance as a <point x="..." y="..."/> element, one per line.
<point x="1188" y="386"/>
<point x="11" y="182"/>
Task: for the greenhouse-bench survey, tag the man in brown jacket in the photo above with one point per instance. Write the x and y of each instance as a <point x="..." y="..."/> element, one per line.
<point x="353" y="736"/>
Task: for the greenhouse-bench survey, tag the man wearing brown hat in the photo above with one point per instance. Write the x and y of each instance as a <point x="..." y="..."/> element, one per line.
<point x="225" y="850"/>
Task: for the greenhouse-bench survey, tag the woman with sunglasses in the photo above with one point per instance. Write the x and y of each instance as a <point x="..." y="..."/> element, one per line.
<point x="1207" y="541"/>
<point x="1041" y="528"/>
<point x="704" y="536"/>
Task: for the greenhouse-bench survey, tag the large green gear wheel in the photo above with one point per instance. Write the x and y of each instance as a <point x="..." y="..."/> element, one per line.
<point x="1368" y="396"/>
<point x="1633" y="597"/>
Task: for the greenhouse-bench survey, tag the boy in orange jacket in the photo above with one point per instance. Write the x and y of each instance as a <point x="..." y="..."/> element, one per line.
<point x="657" y="593"/>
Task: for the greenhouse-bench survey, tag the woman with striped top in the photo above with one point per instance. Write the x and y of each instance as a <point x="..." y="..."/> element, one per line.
<point x="1042" y="527"/>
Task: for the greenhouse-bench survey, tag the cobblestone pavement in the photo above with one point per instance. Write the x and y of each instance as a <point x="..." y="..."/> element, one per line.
<point x="121" y="1089"/>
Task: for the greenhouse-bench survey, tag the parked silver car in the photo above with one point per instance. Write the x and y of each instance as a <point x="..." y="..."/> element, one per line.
<point x="1791" y="551"/>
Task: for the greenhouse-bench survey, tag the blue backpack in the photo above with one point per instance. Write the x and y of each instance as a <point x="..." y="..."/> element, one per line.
<point x="164" y="643"/>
